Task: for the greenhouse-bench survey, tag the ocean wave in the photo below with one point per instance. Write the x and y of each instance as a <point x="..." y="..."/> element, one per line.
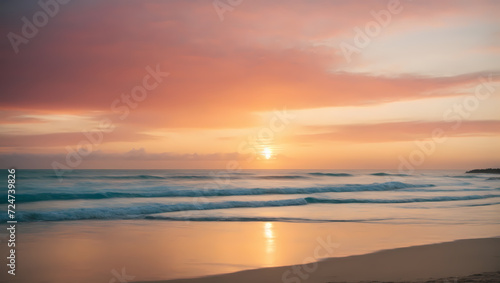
<point x="389" y="174"/>
<point x="140" y="210"/>
<point x="103" y="177"/>
<point x="192" y="177"/>
<point x="232" y="175"/>
<point x="132" y="177"/>
<point x="253" y="219"/>
<point x="410" y="200"/>
<point x="452" y="190"/>
<point x="145" y="211"/>
<point x="482" y="204"/>
<point x="70" y="176"/>
<point x="330" y="174"/>
<point x="466" y="177"/>
<point x="388" y="186"/>
<point x="281" y="177"/>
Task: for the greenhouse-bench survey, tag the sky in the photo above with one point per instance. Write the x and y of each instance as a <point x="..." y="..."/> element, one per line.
<point x="231" y="84"/>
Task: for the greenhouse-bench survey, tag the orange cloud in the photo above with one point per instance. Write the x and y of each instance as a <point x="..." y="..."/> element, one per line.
<point x="265" y="55"/>
<point x="400" y="131"/>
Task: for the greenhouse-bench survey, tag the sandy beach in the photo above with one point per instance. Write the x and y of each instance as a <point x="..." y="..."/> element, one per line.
<point x="472" y="260"/>
<point x="158" y="251"/>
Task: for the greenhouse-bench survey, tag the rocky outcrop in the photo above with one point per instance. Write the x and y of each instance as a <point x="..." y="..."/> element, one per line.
<point x="489" y="171"/>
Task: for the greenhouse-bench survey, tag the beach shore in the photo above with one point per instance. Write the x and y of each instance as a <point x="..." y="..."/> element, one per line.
<point x="469" y="260"/>
<point x="156" y="251"/>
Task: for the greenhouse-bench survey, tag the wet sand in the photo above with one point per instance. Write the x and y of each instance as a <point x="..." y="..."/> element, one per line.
<point x="457" y="261"/>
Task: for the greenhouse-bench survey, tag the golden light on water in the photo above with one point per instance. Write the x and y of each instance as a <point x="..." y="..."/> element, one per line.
<point x="268" y="230"/>
<point x="270" y="243"/>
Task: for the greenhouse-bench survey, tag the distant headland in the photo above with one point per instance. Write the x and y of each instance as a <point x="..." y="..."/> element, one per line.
<point x="489" y="171"/>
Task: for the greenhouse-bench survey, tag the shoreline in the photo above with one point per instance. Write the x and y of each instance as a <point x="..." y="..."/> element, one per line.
<point x="470" y="259"/>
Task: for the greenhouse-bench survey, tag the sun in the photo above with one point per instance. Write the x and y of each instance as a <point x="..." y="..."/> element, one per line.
<point x="267" y="153"/>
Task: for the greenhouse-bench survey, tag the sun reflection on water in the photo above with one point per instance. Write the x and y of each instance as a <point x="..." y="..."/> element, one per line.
<point x="270" y="242"/>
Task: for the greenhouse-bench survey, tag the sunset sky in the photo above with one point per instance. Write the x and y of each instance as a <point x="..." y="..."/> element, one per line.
<point x="256" y="84"/>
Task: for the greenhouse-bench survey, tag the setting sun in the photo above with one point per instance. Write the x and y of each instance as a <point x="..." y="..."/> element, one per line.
<point x="267" y="153"/>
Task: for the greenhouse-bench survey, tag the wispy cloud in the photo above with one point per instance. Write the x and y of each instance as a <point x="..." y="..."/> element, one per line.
<point x="265" y="55"/>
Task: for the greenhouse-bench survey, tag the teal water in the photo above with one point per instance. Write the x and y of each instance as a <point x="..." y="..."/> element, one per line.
<point x="431" y="197"/>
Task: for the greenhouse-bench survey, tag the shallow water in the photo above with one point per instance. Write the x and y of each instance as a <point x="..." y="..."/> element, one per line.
<point x="431" y="197"/>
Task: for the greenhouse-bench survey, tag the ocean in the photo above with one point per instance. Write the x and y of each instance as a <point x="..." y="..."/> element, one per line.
<point x="257" y="195"/>
<point x="165" y="224"/>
